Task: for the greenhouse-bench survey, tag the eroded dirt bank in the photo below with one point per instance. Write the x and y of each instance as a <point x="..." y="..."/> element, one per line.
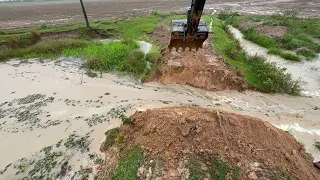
<point x="202" y="69"/>
<point x="176" y="133"/>
<point x="51" y="101"/>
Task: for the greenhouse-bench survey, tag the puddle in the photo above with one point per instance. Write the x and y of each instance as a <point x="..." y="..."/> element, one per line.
<point x="44" y="102"/>
<point x="306" y="71"/>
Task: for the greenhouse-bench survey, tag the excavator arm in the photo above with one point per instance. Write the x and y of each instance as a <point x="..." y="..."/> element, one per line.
<point x="191" y="32"/>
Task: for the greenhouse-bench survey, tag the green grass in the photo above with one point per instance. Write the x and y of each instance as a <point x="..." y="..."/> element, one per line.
<point x="41" y="49"/>
<point x="301" y="37"/>
<point x="253" y="35"/>
<point x="218" y="170"/>
<point x="128" y="165"/>
<point x="136" y="27"/>
<point x="119" y="56"/>
<point x="284" y="55"/>
<point x="309" y="54"/>
<point x="260" y="74"/>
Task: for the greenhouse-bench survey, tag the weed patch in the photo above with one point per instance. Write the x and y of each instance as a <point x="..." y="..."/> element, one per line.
<point x="110" y="140"/>
<point x="129" y="164"/>
<point x="284" y="55"/>
<point x="24" y="40"/>
<point x="119" y="56"/>
<point x="309" y="54"/>
<point x="41" y="49"/>
<point x="217" y="170"/>
<point x="253" y="35"/>
<point x="260" y="74"/>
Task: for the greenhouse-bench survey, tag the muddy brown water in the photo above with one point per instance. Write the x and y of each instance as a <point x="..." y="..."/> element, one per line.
<point x="43" y="102"/>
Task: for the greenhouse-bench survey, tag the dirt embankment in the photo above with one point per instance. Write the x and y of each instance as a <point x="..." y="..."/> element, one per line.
<point x="258" y="148"/>
<point x="202" y="69"/>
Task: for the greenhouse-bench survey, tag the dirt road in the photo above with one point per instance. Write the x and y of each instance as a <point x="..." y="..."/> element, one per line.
<point x="18" y="16"/>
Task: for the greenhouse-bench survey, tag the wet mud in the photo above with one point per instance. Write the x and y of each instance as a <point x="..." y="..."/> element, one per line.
<point x="22" y="16"/>
<point x="50" y="103"/>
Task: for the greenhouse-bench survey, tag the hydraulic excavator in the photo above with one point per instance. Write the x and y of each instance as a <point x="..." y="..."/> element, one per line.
<point x="191" y="32"/>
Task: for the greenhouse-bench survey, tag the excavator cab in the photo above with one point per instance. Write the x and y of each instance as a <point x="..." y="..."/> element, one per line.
<point x="192" y="32"/>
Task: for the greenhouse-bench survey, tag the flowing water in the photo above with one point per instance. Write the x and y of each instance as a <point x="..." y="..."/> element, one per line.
<point x="45" y="101"/>
<point x="306" y="71"/>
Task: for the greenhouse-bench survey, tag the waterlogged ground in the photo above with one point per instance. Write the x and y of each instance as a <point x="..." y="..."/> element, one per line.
<point x="53" y="114"/>
<point x="308" y="72"/>
<point x="17" y="15"/>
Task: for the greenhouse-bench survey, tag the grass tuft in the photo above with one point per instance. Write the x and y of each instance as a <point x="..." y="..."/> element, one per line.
<point x="129" y="164"/>
<point x="110" y="140"/>
<point x="218" y="169"/>
<point x="24" y="40"/>
<point x="118" y="56"/>
<point x="253" y="35"/>
<point x="284" y="55"/>
<point x="309" y="54"/>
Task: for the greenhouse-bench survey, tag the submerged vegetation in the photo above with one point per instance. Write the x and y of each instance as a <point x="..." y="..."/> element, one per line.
<point x="302" y="36"/>
<point x="260" y="74"/>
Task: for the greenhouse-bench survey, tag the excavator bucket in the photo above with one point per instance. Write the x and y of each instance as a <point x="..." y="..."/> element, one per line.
<point x="181" y="39"/>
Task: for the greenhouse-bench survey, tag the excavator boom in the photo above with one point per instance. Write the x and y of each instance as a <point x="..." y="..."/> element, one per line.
<point x="191" y="32"/>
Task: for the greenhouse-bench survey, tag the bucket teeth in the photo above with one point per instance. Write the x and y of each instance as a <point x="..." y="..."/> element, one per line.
<point x="178" y="43"/>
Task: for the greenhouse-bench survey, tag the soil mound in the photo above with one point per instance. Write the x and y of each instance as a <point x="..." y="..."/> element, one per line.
<point x="240" y="140"/>
<point x="202" y="69"/>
